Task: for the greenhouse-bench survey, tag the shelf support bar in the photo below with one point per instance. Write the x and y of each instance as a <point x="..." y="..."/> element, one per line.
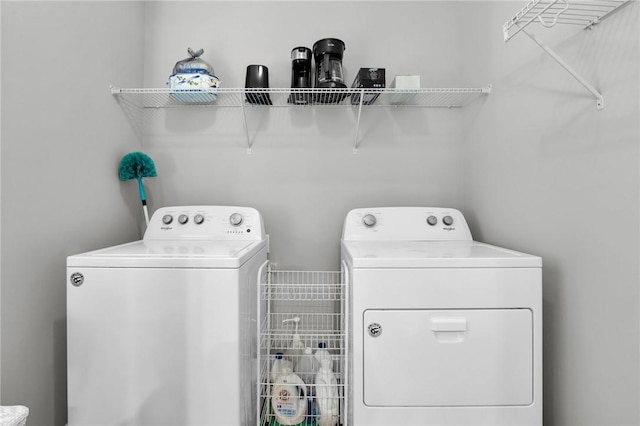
<point x="244" y="123"/>
<point x="574" y="74"/>
<point x="355" y="141"/>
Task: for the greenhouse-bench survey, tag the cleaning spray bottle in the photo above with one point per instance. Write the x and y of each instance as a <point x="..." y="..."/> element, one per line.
<point x="327" y="404"/>
<point x="296" y="347"/>
<point x="288" y="398"/>
<point x="322" y="353"/>
<point x="277" y="366"/>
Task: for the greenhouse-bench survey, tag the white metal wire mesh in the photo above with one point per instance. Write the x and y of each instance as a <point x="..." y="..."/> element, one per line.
<point x="551" y="12"/>
<point x="286" y="97"/>
<point x="316" y="299"/>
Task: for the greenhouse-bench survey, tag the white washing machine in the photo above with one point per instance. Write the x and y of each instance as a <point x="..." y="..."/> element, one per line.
<point x="162" y="331"/>
<point x="444" y="330"/>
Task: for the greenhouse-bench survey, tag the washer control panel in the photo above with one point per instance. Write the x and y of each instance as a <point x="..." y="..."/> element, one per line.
<point x="205" y="223"/>
<point x="406" y="224"/>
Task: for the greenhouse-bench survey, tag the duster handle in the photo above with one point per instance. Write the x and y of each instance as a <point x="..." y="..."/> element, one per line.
<point x="143" y="198"/>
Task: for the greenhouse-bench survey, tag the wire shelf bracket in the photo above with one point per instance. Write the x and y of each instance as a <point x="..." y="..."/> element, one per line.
<point x="548" y="13"/>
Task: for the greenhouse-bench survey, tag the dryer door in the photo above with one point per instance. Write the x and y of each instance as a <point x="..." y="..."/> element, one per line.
<point x="440" y="358"/>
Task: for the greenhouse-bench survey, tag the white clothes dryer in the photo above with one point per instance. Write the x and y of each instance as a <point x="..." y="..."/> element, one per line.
<point x="443" y="330"/>
<point x="162" y="331"/>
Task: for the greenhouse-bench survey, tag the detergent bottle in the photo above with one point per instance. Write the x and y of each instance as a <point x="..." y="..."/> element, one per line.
<point x="296" y="347"/>
<point x="288" y="398"/>
<point x="327" y="403"/>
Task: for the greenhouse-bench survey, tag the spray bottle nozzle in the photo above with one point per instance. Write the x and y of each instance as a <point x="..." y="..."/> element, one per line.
<point x="296" y="321"/>
<point x="296" y="346"/>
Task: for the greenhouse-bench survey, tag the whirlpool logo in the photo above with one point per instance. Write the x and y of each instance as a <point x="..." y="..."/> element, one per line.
<point x="76" y="279"/>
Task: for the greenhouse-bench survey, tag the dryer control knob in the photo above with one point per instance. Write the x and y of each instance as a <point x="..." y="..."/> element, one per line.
<point x="369" y="220"/>
<point x="198" y="219"/>
<point x="432" y="220"/>
<point x="167" y="219"/>
<point x="183" y="218"/>
<point x="235" y="219"/>
<point x="447" y="220"/>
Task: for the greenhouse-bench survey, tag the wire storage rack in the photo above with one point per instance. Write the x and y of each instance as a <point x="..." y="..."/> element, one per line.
<point x="287" y="97"/>
<point x="310" y="304"/>
<point x="137" y="102"/>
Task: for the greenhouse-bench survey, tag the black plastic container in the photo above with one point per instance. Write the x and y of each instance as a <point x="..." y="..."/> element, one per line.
<point x="257" y="78"/>
<point x="368" y="78"/>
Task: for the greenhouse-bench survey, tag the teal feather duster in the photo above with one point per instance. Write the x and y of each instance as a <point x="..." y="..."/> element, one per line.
<point x="138" y="165"/>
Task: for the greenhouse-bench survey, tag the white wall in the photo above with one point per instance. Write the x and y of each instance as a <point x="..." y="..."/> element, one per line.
<point x="549" y="174"/>
<point x="62" y="138"/>
<point x="534" y="167"/>
<point x="302" y="175"/>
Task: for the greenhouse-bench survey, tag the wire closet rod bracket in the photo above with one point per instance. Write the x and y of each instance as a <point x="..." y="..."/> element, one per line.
<point x="571" y="71"/>
<point x="548" y="13"/>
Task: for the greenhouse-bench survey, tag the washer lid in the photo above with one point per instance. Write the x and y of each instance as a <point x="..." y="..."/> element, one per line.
<point x="170" y="254"/>
<point x="434" y="254"/>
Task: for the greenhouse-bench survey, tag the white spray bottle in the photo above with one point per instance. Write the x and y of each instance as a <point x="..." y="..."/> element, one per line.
<point x="276" y="366"/>
<point x="327" y="395"/>
<point x="322" y="353"/>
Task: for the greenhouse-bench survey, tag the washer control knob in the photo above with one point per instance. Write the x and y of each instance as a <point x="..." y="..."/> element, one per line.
<point x="167" y="219"/>
<point x="183" y="218"/>
<point x="235" y="219"/>
<point x="198" y="219"/>
<point x="432" y="220"/>
<point x="369" y="220"/>
<point x="447" y="220"/>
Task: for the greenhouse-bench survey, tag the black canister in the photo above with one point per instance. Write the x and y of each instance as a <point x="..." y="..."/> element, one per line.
<point x="257" y="78"/>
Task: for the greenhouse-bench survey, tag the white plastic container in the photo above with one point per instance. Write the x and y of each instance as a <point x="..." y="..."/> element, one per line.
<point x="405" y="87"/>
<point x="322" y="353"/>
<point x="276" y="366"/>
<point x="307" y="366"/>
<point x="289" y="398"/>
<point x="327" y="401"/>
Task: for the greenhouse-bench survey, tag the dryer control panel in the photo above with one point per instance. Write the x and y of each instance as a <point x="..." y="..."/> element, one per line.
<point x="406" y="224"/>
<point x="205" y="223"/>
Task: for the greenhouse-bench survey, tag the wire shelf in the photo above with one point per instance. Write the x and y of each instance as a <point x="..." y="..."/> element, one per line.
<point x="286" y="97"/>
<point x="135" y="102"/>
<point x="548" y="13"/>
<point x="304" y="285"/>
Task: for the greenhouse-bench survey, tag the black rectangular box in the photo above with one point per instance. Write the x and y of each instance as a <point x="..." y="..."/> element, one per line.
<point x="368" y="78"/>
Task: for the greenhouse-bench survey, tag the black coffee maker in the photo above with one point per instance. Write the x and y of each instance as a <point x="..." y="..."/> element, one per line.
<point x="300" y="74"/>
<point x="328" y="74"/>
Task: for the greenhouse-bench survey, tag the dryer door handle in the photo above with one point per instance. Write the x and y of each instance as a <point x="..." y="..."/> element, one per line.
<point x="449" y="324"/>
